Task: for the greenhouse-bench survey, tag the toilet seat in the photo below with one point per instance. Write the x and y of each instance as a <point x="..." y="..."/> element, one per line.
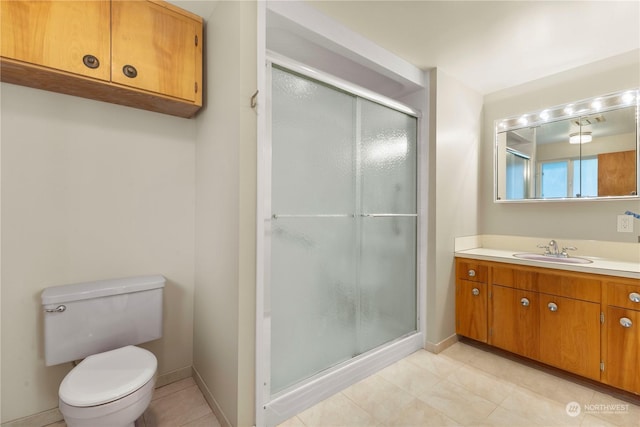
<point x="105" y="377"/>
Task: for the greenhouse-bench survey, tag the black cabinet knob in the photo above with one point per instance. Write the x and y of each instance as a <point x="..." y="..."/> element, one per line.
<point x="90" y="61"/>
<point x="130" y="71"/>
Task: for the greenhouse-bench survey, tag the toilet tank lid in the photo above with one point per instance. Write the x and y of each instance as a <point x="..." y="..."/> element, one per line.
<point x="100" y="288"/>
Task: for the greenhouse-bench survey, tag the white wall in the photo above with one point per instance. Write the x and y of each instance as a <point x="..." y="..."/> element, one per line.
<point x="571" y="220"/>
<point x="89" y="191"/>
<point x="224" y="333"/>
<point x="453" y="195"/>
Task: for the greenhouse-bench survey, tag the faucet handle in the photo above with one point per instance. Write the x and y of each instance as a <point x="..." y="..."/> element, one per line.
<point x="568" y="248"/>
<point x="545" y="247"/>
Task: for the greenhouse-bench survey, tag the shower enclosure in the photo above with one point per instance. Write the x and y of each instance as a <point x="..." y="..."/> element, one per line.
<point x="341" y="239"/>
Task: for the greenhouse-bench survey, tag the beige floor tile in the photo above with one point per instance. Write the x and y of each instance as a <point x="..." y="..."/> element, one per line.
<point x="336" y="411"/>
<point x="292" y="422"/>
<point x="410" y="377"/>
<point x="591" y="421"/>
<point x="462" y="352"/>
<point x="435" y="363"/>
<point x="209" y="420"/>
<point x="173" y="387"/>
<point x="58" y="424"/>
<point x="177" y="409"/>
<point x="458" y="403"/>
<point x="479" y="382"/>
<point x="525" y="404"/>
<point x="419" y="414"/>
<point x="613" y="410"/>
<point x="379" y="397"/>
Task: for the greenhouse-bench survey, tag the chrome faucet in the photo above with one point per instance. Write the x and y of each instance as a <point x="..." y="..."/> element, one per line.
<point x="551" y="249"/>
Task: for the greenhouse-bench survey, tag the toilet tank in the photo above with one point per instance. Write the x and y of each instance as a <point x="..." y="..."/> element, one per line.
<point x="88" y="318"/>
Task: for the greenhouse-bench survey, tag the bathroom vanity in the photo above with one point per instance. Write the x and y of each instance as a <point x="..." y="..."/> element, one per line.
<point x="586" y="323"/>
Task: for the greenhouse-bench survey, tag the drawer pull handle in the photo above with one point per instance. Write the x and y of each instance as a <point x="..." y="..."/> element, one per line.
<point x="552" y="306"/>
<point x="634" y="296"/>
<point x="626" y="322"/>
<point x="524" y="302"/>
<point x="472" y="273"/>
<point x="475" y="291"/>
<point x="130" y="71"/>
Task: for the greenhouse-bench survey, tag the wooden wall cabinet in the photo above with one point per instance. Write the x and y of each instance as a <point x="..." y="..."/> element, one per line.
<point x="143" y="53"/>
<point x="581" y="323"/>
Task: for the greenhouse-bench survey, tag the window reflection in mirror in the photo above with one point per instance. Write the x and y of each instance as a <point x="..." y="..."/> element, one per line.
<point x="559" y="154"/>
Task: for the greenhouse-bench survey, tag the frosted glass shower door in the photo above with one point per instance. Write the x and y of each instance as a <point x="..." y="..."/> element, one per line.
<point x="388" y="212"/>
<point x="312" y="286"/>
<point x="343" y="227"/>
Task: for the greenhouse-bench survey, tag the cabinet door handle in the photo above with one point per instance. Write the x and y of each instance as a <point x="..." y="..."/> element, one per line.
<point x="472" y="273"/>
<point x="90" y="61"/>
<point x="634" y="296"/>
<point x="130" y="71"/>
<point x="524" y="302"/>
<point x="552" y="306"/>
<point x="626" y="322"/>
<point x="475" y="291"/>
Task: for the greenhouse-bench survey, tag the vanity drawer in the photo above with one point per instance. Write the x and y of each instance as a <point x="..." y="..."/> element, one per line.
<point x="570" y="285"/>
<point x="624" y="294"/>
<point x="471" y="270"/>
<point x="514" y="278"/>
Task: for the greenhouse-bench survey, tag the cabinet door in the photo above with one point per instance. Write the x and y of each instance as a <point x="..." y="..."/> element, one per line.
<point x="623" y="349"/>
<point x="570" y="335"/>
<point x="154" y="49"/>
<point x="58" y="34"/>
<point x="471" y="309"/>
<point x="515" y="321"/>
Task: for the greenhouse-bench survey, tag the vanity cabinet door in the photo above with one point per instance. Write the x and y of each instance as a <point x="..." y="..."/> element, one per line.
<point x="514" y="317"/>
<point x="623" y="349"/>
<point x="71" y="36"/>
<point x="471" y="309"/>
<point x="570" y="335"/>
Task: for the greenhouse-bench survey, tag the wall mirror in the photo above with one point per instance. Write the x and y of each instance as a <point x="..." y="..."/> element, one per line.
<point x="587" y="149"/>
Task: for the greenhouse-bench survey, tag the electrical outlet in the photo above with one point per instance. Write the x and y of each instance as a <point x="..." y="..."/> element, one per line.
<point x="625" y="224"/>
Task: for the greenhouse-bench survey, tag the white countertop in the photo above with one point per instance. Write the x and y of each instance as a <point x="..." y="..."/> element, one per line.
<point x="493" y="248"/>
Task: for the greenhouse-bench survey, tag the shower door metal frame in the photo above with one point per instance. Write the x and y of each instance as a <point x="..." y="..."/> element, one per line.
<point x="286" y="403"/>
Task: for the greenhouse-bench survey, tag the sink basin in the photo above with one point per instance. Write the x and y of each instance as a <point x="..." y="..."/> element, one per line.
<point x="551" y="258"/>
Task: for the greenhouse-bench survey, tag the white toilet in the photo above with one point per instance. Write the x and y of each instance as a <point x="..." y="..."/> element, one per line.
<point x="101" y="322"/>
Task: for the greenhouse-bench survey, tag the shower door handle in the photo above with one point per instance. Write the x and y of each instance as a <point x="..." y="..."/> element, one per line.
<point x="387" y="215"/>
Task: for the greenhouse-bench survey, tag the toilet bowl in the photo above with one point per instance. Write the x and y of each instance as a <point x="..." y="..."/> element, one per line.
<point x="101" y="323"/>
<point x="108" y="389"/>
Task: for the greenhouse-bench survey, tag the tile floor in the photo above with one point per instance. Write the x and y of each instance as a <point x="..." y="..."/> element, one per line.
<point x="464" y="385"/>
<point x="179" y="404"/>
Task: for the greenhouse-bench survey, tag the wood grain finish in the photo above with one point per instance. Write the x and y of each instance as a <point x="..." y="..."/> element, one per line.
<point x="617" y="173"/>
<point x="58" y="34"/>
<point x="473" y="271"/>
<point x="618" y="293"/>
<point x="471" y="309"/>
<point x="623" y="350"/>
<point x="43" y="43"/>
<point x="159" y="43"/>
<point x="570" y="336"/>
<point x="514" y="326"/>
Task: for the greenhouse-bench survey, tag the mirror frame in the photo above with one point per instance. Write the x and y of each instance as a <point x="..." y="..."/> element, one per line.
<point x="596" y="104"/>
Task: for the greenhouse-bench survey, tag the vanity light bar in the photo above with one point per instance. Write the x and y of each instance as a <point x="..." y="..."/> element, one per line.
<point x="585" y="107"/>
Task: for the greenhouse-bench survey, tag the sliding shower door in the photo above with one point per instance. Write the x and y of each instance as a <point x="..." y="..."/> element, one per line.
<point x="342" y="277"/>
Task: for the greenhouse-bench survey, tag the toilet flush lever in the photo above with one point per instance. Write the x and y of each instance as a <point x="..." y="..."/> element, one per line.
<point x="58" y="309"/>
